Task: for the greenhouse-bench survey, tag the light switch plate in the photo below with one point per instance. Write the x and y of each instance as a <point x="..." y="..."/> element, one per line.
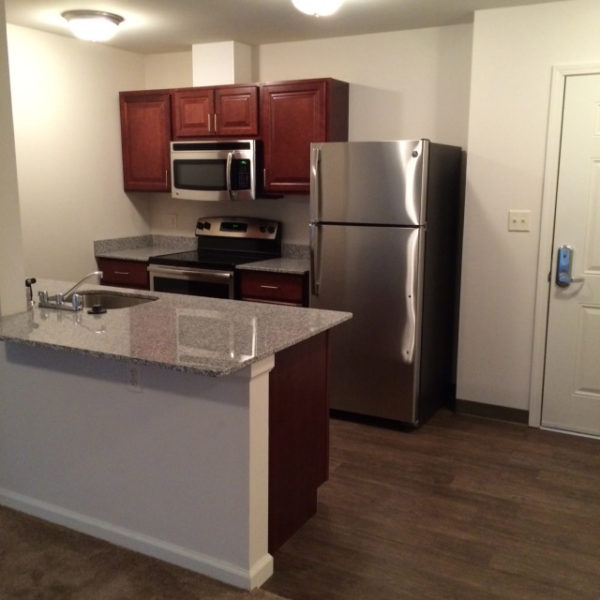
<point x="519" y="220"/>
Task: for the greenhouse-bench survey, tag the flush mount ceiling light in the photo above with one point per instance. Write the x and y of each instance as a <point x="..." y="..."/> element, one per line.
<point x="92" y="25"/>
<point x="317" y="8"/>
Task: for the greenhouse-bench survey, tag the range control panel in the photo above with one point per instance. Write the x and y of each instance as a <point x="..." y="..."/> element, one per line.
<point x="238" y="227"/>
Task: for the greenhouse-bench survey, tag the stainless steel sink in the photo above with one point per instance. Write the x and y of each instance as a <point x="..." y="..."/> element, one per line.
<point x="112" y="300"/>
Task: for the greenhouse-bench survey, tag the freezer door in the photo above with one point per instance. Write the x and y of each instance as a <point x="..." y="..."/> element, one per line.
<point x="368" y="182"/>
<point x="373" y="273"/>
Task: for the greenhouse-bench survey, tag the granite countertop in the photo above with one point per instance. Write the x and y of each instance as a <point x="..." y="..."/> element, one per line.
<point x="141" y="248"/>
<point x="278" y="265"/>
<point x="138" y="254"/>
<point x="208" y="336"/>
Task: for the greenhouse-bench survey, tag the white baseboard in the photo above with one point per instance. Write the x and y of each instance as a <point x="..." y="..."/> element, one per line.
<point x="150" y="546"/>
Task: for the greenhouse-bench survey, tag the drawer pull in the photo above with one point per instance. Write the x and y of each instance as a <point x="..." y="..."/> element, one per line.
<point x="269" y="287"/>
<point x="121" y="272"/>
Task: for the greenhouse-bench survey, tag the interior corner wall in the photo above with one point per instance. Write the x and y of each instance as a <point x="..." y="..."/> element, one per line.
<point x="12" y="290"/>
<point x="514" y="50"/>
<point x="68" y="149"/>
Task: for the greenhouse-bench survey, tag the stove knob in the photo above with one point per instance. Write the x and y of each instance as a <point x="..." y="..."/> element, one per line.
<point x="271" y="228"/>
<point x="262" y="228"/>
<point x="200" y="226"/>
<point x="206" y="225"/>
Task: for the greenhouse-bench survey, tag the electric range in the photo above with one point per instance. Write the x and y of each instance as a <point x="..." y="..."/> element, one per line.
<point x="222" y="244"/>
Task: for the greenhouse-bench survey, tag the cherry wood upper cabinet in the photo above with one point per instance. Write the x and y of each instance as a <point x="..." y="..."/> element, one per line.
<point x="214" y="112"/>
<point x="145" y="136"/>
<point x="293" y="114"/>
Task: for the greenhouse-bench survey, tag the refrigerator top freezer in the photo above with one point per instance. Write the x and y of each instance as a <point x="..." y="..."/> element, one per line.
<point x="370" y="182"/>
<point x="384" y="246"/>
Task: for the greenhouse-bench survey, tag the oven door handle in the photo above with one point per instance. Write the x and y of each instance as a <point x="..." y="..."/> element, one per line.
<point x="205" y="274"/>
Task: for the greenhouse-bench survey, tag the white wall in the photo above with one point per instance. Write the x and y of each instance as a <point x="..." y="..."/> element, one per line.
<point x="68" y="149"/>
<point x="12" y="291"/>
<point x="514" y="50"/>
<point x="79" y="448"/>
<point x="168" y="70"/>
<point x="402" y="84"/>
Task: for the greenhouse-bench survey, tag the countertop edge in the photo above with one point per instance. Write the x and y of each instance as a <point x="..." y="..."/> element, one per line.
<point x="14" y="329"/>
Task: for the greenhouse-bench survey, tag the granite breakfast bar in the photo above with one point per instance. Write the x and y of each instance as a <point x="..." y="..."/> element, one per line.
<point x="190" y="429"/>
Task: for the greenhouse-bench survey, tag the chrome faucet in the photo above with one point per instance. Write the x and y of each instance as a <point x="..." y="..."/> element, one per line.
<point x="67" y="295"/>
<point x="67" y="301"/>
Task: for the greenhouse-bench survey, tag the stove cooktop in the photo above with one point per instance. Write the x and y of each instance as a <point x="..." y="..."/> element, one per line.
<point x="224" y="242"/>
<point x="206" y="260"/>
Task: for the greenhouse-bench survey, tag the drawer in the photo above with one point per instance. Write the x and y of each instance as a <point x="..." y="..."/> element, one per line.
<point x="284" y="288"/>
<point x="127" y="273"/>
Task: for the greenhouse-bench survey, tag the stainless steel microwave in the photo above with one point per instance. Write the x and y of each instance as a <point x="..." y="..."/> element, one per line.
<point x="213" y="170"/>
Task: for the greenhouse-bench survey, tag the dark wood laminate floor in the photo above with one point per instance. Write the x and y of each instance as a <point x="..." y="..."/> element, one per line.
<point x="464" y="508"/>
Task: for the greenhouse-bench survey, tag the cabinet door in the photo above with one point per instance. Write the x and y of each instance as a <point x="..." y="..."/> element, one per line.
<point x="124" y="273"/>
<point x="274" y="288"/>
<point x="294" y="114"/>
<point x="145" y="136"/>
<point x="236" y="111"/>
<point x="193" y="113"/>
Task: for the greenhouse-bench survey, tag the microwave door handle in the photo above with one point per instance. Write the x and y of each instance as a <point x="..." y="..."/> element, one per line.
<point x="228" y="175"/>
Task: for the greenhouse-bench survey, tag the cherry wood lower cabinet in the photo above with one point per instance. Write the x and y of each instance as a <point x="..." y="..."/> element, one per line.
<point x="274" y="288"/>
<point x="124" y="273"/>
<point x="298" y="436"/>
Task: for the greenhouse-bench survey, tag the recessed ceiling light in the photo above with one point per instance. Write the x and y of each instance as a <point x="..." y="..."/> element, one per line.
<point x="317" y="8"/>
<point x="92" y="25"/>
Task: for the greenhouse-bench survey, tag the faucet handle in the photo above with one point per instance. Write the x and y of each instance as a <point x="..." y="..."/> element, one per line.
<point x="77" y="302"/>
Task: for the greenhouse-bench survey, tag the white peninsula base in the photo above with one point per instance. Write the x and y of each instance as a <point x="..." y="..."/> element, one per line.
<point x="176" y="468"/>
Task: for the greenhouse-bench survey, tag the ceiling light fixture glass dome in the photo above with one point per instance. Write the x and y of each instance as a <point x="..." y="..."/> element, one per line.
<point x="317" y="8"/>
<point x="92" y="25"/>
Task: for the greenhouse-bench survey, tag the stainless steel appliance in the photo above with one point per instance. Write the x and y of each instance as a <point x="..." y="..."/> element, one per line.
<point x="213" y="170"/>
<point x="223" y="243"/>
<point x="384" y="246"/>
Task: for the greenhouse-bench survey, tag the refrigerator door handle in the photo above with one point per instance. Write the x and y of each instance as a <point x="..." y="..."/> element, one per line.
<point x="315" y="180"/>
<point x="315" y="258"/>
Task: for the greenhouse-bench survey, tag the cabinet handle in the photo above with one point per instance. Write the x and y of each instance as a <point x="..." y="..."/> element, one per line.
<point x="208" y="117"/>
<point x="166" y="178"/>
<point x="121" y="272"/>
<point x="215" y="121"/>
<point x="264" y="178"/>
<point x="270" y="287"/>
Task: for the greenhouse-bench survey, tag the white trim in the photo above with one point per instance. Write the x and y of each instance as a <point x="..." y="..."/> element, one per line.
<point x="548" y="209"/>
<point x="150" y="546"/>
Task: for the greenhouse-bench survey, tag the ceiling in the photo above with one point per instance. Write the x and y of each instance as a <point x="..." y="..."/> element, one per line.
<point x="155" y="26"/>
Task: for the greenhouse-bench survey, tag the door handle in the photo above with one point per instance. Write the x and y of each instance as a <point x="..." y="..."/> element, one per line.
<point x="315" y="258"/>
<point x="564" y="264"/>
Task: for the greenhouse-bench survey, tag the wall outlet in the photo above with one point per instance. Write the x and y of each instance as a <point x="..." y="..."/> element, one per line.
<point x="133" y="377"/>
<point x="170" y="221"/>
<point x="519" y="220"/>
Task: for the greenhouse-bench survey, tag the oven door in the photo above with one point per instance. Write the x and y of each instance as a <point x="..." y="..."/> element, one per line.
<point x="197" y="282"/>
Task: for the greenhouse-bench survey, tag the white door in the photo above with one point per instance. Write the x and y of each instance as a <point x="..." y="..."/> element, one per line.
<point x="571" y="399"/>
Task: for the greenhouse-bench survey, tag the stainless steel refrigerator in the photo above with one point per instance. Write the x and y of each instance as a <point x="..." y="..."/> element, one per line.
<point x="384" y="237"/>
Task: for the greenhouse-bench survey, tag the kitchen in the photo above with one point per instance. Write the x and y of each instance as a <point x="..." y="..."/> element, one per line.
<point x="446" y="85"/>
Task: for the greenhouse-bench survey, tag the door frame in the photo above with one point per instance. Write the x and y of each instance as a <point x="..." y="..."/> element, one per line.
<point x="547" y="218"/>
